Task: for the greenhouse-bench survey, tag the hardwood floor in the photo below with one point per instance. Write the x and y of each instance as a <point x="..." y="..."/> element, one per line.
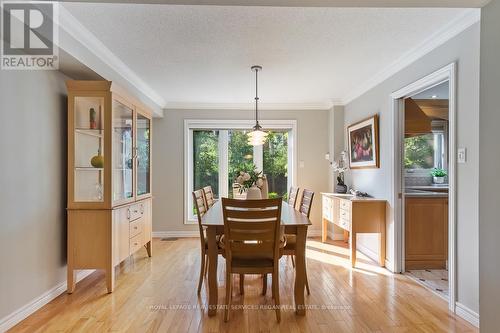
<point x="158" y="294"/>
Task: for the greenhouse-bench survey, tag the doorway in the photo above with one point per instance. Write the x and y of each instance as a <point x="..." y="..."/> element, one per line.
<point x="424" y="181"/>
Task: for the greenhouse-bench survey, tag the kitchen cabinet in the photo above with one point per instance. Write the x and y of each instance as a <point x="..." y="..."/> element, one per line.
<point x="426" y="232"/>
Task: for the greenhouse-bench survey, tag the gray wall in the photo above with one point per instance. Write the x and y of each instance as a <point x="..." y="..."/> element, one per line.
<point x="168" y="159"/>
<point x="464" y="49"/>
<point x="33" y="186"/>
<point x="489" y="165"/>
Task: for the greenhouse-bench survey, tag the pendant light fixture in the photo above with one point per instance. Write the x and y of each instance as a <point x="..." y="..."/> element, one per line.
<point x="256" y="137"/>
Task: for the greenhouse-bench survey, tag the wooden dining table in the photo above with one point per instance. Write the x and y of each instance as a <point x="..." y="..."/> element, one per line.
<point x="293" y="222"/>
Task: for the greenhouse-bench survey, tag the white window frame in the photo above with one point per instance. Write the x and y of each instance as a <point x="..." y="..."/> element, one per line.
<point x="209" y="124"/>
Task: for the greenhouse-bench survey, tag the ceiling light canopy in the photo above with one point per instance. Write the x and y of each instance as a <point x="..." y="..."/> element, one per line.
<point x="256" y="137"/>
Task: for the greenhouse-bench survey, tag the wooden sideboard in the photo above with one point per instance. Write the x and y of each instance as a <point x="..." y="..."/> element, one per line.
<point x="355" y="215"/>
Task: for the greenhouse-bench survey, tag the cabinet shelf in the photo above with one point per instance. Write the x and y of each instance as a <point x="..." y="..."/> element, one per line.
<point x="92" y="132"/>
<point x="88" y="169"/>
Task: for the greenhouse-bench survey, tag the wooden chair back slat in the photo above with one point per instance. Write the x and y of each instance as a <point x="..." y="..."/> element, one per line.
<point x="201" y="209"/>
<point x="250" y="232"/>
<point x="306" y="202"/>
<point x="209" y="196"/>
<point x="292" y="196"/>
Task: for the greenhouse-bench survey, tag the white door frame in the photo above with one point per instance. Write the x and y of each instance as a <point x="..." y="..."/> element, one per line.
<point x="447" y="73"/>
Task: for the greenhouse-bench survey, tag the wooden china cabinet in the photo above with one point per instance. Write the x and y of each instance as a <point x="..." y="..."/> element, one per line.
<point x="109" y="178"/>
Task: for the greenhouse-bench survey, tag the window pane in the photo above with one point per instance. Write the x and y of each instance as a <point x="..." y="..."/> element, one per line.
<point x="275" y="164"/>
<point x="419" y="152"/>
<point x="206" y="160"/>
<point x="240" y="155"/>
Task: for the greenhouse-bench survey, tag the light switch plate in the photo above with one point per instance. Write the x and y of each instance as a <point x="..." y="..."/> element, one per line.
<point x="327" y="156"/>
<point x="461" y="155"/>
<point x="301" y="164"/>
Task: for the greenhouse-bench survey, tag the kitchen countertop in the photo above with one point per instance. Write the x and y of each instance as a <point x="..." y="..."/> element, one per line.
<point x="350" y="197"/>
<point x="409" y="192"/>
<point x="428" y="187"/>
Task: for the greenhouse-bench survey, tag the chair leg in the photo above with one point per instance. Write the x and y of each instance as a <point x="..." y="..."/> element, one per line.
<point x="202" y="270"/>
<point x="293" y="261"/>
<point x="242" y="284"/>
<point x="264" y="284"/>
<point x="276" y="296"/>
<point x="206" y="266"/>
<point x="228" y="294"/>
<point x="307" y="284"/>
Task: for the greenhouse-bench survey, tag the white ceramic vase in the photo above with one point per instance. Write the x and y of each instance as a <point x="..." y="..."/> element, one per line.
<point x="253" y="193"/>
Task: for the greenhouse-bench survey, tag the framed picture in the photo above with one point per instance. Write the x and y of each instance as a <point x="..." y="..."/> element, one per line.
<point x="363" y="144"/>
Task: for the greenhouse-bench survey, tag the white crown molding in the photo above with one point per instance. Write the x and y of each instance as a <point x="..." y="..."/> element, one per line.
<point x="69" y="24"/>
<point x="25" y="311"/>
<point x="437" y="39"/>
<point x="467" y="314"/>
<point x="250" y="106"/>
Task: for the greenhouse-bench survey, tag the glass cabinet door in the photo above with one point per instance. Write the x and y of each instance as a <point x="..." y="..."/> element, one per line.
<point x="123" y="157"/>
<point x="88" y="149"/>
<point x="143" y="154"/>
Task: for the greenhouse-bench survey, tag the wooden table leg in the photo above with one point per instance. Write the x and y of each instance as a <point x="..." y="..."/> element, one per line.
<point x="324" y="230"/>
<point x="346" y="236"/>
<point x="212" y="271"/>
<point x="300" y="269"/>
<point x="352" y="244"/>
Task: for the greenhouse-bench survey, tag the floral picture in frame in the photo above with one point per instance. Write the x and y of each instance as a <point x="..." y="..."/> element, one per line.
<point x="363" y="144"/>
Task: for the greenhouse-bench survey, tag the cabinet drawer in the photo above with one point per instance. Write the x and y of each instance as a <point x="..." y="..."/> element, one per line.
<point x="136" y="243"/>
<point x="345" y="214"/>
<point x="345" y="223"/>
<point x="135" y="211"/>
<point x="136" y="227"/>
<point x="345" y="205"/>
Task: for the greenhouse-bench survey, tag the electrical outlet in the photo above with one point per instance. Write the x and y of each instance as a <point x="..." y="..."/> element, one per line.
<point x="461" y="155"/>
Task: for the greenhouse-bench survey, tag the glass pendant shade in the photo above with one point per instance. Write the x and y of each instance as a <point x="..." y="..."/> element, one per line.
<point x="257" y="137"/>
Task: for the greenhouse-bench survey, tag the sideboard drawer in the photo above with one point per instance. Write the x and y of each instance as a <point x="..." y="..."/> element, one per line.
<point x="345" y="214"/>
<point x="345" y="204"/>
<point x="136" y="243"/>
<point x="345" y="224"/>
<point x="136" y="227"/>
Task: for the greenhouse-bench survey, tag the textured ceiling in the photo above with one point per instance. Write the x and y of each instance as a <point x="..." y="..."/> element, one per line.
<point x="203" y="54"/>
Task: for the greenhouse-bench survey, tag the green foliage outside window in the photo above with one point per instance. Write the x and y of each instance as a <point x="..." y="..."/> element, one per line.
<point x="419" y="152"/>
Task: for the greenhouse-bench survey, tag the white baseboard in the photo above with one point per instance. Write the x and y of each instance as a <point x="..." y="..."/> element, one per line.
<point x="367" y="252"/>
<point x="180" y="234"/>
<point x="25" y="311"/>
<point x="467" y="314"/>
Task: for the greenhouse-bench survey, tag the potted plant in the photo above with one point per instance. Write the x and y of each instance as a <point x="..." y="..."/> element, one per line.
<point x="340" y="167"/>
<point x="438" y="175"/>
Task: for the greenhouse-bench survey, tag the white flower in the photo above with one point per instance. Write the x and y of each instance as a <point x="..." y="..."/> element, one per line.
<point x="259" y="182"/>
<point x="241" y="173"/>
<point x="239" y="179"/>
<point x="246" y="176"/>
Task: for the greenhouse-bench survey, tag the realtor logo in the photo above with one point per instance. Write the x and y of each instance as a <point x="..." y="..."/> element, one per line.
<point x="29" y="35"/>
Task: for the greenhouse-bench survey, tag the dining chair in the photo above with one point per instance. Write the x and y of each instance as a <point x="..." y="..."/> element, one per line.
<point x="252" y="242"/>
<point x="305" y="209"/>
<point x="201" y="209"/>
<point x="209" y="196"/>
<point x="292" y="196"/>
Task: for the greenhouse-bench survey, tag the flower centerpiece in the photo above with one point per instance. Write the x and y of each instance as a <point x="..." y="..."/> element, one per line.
<point x="340" y="168"/>
<point x="438" y="175"/>
<point x="250" y="181"/>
